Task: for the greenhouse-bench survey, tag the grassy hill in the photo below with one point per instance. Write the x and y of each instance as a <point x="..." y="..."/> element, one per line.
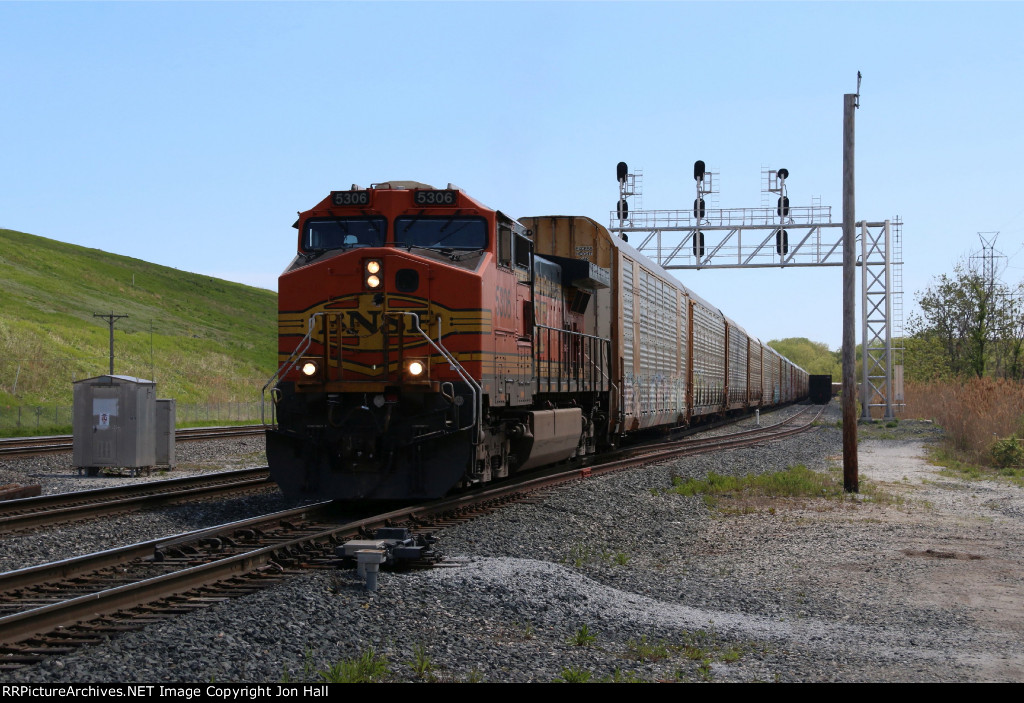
<point x="202" y="339"/>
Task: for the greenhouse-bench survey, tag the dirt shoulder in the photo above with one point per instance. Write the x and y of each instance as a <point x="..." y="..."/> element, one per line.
<point x="962" y="554"/>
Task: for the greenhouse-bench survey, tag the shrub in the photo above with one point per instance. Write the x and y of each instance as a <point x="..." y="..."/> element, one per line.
<point x="1007" y="453"/>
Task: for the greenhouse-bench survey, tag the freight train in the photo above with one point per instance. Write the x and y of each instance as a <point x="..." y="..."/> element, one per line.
<point x="428" y="342"/>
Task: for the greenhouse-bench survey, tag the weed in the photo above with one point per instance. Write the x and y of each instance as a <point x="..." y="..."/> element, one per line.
<point x="474" y="676"/>
<point x="692" y="651"/>
<point x="647" y="651"/>
<point x="308" y="665"/>
<point x="618" y="676"/>
<point x="970" y="412"/>
<point x="366" y="668"/>
<point x="621" y="558"/>
<point x="528" y="631"/>
<point x="732" y="654"/>
<point x="704" y="670"/>
<point x="573" y="676"/>
<point x="579" y="555"/>
<point x="583" y="637"/>
<point x="420" y="664"/>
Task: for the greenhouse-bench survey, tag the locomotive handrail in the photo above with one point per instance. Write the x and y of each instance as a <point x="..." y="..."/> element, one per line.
<point x="478" y="394"/>
<point x="584" y="362"/>
<point x="290" y="362"/>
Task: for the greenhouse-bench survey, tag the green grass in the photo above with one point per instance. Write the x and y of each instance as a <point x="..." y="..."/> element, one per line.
<point x="648" y="651"/>
<point x="795" y="482"/>
<point x="202" y="339"/>
<point x="366" y="668"/>
<point x="573" y="675"/>
<point x="953" y="467"/>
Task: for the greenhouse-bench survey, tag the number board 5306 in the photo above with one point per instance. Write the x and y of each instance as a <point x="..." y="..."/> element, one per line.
<point x="436" y="197"/>
<point x="350" y="197"/>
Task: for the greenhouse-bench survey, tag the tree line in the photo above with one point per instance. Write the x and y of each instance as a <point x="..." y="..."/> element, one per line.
<point x="969" y="325"/>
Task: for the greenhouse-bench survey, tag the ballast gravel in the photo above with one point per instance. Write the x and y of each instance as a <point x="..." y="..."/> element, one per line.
<point x="616" y="579"/>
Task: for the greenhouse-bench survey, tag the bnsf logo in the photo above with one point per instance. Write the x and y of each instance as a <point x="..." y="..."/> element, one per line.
<point x="357" y="322"/>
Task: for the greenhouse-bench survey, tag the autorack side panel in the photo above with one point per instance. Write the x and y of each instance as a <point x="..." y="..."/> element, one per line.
<point x="754" y="372"/>
<point x="708" y="359"/>
<point x="630" y="364"/>
<point x="657" y="341"/>
<point x="737" y="366"/>
<point x="774" y="362"/>
<point x="682" y="369"/>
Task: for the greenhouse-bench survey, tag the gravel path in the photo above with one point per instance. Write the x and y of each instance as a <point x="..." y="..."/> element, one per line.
<point x="921" y="584"/>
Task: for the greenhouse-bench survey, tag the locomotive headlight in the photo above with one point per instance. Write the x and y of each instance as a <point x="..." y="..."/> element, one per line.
<point x="415" y="369"/>
<point x="372" y="273"/>
<point x="309" y="368"/>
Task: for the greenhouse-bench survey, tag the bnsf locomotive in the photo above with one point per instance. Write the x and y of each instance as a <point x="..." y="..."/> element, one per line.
<point x="427" y="341"/>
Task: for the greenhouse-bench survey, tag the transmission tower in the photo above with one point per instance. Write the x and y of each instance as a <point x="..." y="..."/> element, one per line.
<point x="986" y="261"/>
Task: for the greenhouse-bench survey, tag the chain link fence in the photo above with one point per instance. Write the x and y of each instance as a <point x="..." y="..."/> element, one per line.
<point x="57" y="419"/>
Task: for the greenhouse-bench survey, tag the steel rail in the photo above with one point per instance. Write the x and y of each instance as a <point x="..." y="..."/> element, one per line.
<point x="18" y="446"/>
<point x="29" y="512"/>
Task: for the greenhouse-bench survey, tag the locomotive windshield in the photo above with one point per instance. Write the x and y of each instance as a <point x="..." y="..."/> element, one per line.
<point x="344" y="233"/>
<point x="441" y="232"/>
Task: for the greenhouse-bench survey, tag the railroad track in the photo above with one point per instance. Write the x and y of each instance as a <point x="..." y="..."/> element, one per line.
<point x="26" y="513"/>
<point x="47" y="609"/>
<point x="31" y="446"/>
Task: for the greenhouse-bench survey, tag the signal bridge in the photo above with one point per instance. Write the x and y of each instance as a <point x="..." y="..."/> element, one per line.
<point x="783" y="237"/>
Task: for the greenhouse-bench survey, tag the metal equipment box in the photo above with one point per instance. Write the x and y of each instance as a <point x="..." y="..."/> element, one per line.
<point x="166" y="410"/>
<point x="114" y="423"/>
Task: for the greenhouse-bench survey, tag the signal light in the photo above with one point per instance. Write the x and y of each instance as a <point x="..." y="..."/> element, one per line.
<point x="781" y="242"/>
<point x="698" y="245"/>
<point x="783" y="208"/>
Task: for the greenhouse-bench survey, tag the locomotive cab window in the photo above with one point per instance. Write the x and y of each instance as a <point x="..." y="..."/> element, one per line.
<point x="343" y="233"/>
<point x="442" y="233"/>
<point x="505" y="245"/>
<point x="522" y="252"/>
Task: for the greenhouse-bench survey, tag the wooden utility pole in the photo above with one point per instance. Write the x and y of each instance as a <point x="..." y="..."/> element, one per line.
<point x="111" y="319"/>
<point x="850" y="476"/>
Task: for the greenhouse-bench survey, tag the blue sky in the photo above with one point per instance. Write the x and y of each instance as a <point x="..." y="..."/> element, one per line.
<point x="189" y="134"/>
